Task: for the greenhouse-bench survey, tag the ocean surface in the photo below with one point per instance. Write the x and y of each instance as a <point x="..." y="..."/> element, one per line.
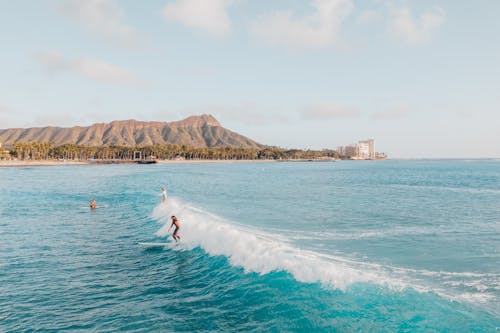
<point x="349" y="246"/>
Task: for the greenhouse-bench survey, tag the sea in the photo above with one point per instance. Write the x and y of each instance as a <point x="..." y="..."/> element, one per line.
<point x="346" y="246"/>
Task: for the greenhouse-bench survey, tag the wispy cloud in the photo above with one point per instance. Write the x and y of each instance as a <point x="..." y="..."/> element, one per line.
<point x="65" y="119"/>
<point x="369" y="16"/>
<point x="317" y="30"/>
<point x="104" y="18"/>
<point x="412" y="30"/>
<point x="9" y="116"/>
<point x="4" y="109"/>
<point x="399" y="111"/>
<point x="59" y="120"/>
<point x="248" y="114"/>
<point x="327" y="111"/>
<point x="208" y="15"/>
<point x="88" y="68"/>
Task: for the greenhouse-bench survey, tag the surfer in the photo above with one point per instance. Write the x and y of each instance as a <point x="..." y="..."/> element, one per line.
<point x="93" y="204"/>
<point x="175" y="222"/>
<point x="163" y="195"/>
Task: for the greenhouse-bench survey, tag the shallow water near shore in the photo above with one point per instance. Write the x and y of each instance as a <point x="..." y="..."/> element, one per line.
<point x="369" y="246"/>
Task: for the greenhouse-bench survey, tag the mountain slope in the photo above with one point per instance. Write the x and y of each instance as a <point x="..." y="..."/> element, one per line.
<point x="195" y="131"/>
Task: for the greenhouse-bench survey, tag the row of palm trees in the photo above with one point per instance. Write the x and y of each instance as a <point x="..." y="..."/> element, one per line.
<point x="31" y="150"/>
<point x="48" y="151"/>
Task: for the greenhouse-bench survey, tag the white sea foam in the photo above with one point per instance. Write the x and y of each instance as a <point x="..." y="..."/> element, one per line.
<point x="396" y="231"/>
<point x="256" y="251"/>
<point x="259" y="252"/>
<point x="448" y="188"/>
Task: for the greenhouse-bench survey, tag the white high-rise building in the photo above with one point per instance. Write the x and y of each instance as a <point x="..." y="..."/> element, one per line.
<point x="367" y="148"/>
<point x="363" y="150"/>
<point x="351" y="150"/>
<point x="341" y="150"/>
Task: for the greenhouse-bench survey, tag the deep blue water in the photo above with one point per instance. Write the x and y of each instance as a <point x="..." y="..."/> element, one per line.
<point x="350" y="246"/>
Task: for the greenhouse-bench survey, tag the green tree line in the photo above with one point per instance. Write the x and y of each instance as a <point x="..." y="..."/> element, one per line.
<point x="47" y="151"/>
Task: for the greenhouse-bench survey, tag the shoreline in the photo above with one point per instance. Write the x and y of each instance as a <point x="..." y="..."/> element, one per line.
<point x="19" y="163"/>
<point x="30" y="163"/>
<point x="24" y="163"/>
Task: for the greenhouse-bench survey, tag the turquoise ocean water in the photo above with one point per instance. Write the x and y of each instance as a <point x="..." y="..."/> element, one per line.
<point x="350" y="246"/>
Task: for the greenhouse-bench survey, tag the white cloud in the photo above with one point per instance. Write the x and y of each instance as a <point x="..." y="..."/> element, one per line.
<point x="368" y="16"/>
<point x="102" y="71"/>
<point x="399" y="111"/>
<point x="317" y="30"/>
<point x="103" y="17"/>
<point x="59" y="120"/>
<point x="208" y="15"/>
<point x="9" y="117"/>
<point x="65" y="119"/>
<point x="52" y="60"/>
<point x="247" y="114"/>
<point x="327" y="111"/>
<point x="412" y="30"/>
<point x="89" y="68"/>
<point x="5" y="109"/>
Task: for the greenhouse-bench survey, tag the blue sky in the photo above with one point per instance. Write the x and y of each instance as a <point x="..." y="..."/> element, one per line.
<point x="421" y="77"/>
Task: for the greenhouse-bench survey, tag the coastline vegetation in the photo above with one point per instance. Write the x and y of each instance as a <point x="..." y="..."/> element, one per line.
<point x="48" y="151"/>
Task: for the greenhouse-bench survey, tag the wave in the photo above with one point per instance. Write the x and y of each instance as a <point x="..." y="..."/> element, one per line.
<point x="468" y="190"/>
<point x="388" y="232"/>
<point x="396" y="231"/>
<point x="262" y="252"/>
<point x="256" y="251"/>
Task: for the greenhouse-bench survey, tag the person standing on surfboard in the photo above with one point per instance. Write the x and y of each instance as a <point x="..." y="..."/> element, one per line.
<point x="93" y="204"/>
<point x="163" y="195"/>
<point x="175" y="223"/>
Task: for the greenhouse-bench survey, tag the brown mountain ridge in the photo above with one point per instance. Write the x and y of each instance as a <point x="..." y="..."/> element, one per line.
<point x="195" y="131"/>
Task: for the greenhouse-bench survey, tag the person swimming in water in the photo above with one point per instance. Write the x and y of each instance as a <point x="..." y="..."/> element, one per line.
<point x="175" y="223"/>
<point x="163" y="195"/>
<point x="93" y="204"/>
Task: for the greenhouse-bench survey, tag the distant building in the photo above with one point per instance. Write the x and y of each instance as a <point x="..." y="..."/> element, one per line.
<point x="351" y="150"/>
<point x="363" y="150"/>
<point x="366" y="149"/>
<point x="341" y="150"/>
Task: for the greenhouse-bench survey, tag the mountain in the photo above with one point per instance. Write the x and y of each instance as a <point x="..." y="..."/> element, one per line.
<point x="195" y="131"/>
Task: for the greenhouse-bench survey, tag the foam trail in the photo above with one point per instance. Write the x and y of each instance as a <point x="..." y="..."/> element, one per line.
<point x="263" y="253"/>
<point x="260" y="253"/>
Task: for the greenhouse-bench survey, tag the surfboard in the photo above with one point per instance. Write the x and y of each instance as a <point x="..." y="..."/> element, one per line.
<point x="153" y="244"/>
<point x="88" y="207"/>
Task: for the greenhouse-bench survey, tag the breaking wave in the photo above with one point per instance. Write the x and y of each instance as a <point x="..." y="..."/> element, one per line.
<point x="261" y="252"/>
